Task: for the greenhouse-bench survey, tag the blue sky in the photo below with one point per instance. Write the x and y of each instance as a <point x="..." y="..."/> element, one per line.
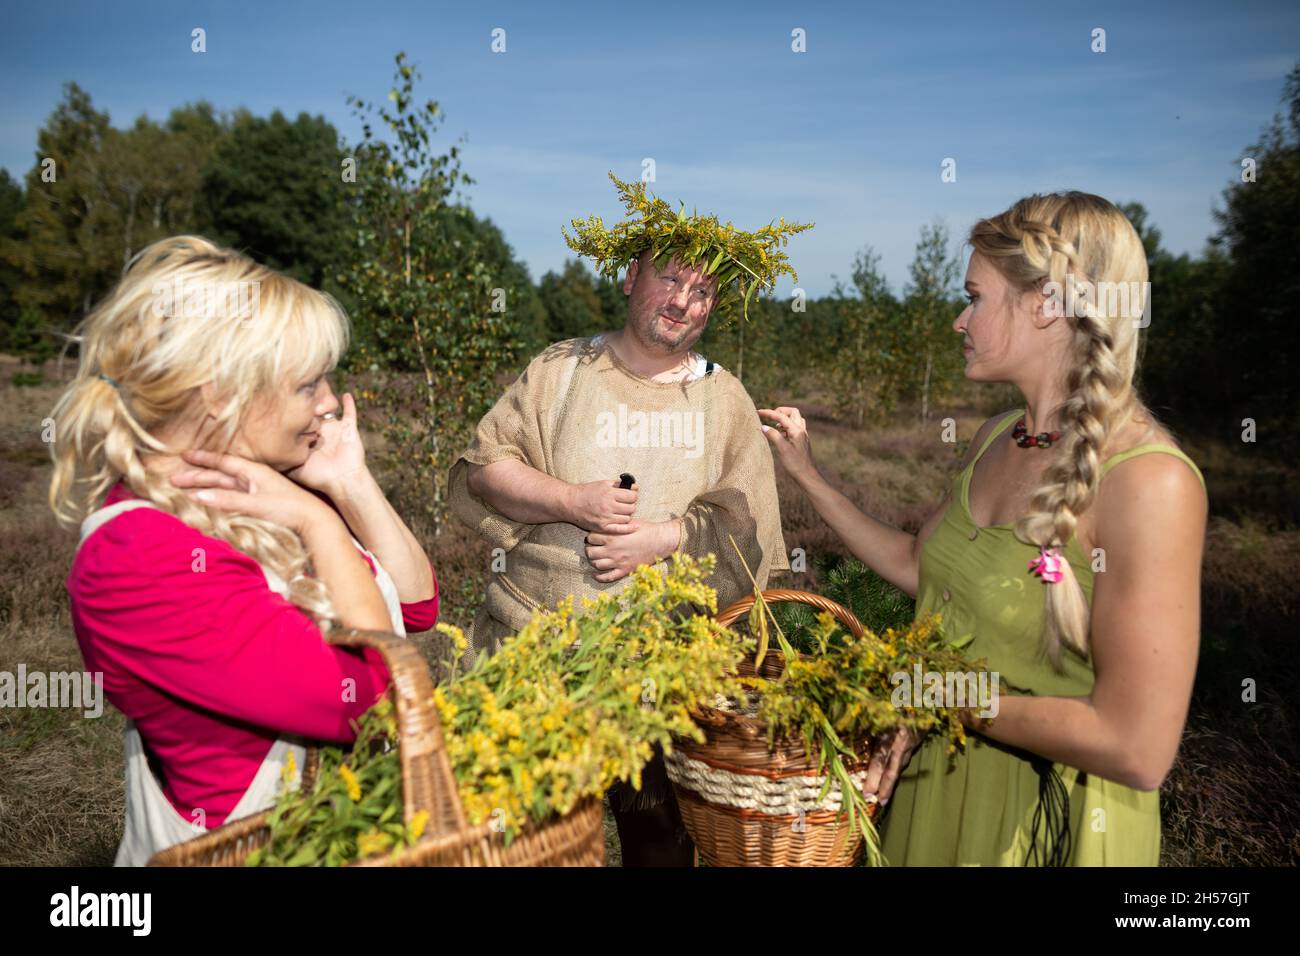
<point x="850" y="134"/>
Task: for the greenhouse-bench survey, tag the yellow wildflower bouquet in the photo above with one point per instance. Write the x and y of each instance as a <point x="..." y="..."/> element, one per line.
<point x="353" y="810"/>
<point x="847" y="691"/>
<point x="838" y="692"/>
<point x="567" y="707"/>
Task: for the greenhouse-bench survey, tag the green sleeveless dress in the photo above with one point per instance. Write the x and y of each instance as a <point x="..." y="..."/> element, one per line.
<point x="1001" y="806"/>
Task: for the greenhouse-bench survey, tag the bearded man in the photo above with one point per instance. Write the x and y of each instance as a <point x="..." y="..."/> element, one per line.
<point x="546" y="478"/>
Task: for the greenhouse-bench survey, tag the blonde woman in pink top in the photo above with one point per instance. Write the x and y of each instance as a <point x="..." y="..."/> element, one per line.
<point x="227" y="518"/>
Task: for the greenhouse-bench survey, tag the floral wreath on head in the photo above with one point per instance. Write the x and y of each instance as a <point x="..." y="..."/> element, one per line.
<point x="743" y="262"/>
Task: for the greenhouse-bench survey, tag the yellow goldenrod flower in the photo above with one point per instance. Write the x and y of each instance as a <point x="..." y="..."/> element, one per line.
<point x="417" y="824"/>
<point x="350" y="781"/>
<point x="372" y="842"/>
<point x="456" y="634"/>
<point x="290" y="769"/>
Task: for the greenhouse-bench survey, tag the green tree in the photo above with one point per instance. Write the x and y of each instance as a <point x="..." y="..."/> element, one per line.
<point x="774" y="351"/>
<point x="1178" y="344"/>
<point x="62" y="192"/>
<point x="96" y="196"/>
<point x="274" y="189"/>
<point x="865" y="364"/>
<point x="573" y="304"/>
<point x="1224" y="320"/>
<point x="613" y="302"/>
<point x="422" y="304"/>
<point x="11" y="204"/>
<point x="1254" y="346"/>
<point x="928" y="313"/>
<point x="481" y="238"/>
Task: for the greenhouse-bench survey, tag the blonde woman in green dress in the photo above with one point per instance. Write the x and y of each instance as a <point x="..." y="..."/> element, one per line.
<point x="1066" y="553"/>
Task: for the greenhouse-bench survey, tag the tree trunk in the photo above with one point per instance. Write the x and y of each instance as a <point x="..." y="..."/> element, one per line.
<point x="434" y="455"/>
<point x="128" y="237"/>
<point x="406" y="248"/>
<point x="925" y="388"/>
<point x="859" y="402"/>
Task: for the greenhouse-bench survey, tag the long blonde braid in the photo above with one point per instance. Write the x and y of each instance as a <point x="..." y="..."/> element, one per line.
<point x="1073" y="239"/>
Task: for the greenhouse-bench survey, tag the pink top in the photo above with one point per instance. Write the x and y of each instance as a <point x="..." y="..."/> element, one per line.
<point x="212" y="666"/>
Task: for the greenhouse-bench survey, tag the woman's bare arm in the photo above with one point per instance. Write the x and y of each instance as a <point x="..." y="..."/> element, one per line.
<point x="1145" y="634"/>
<point x="382" y="531"/>
<point x="892" y="553"/>
<point x="887" y="550"/>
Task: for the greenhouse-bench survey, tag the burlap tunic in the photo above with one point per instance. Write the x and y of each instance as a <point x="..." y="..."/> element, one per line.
<point x="579" y="414"/>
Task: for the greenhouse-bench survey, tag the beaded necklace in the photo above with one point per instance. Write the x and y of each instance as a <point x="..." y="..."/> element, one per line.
<point x="1025" y="440"/>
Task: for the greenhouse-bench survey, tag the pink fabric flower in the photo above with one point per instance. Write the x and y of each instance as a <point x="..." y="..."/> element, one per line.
<point x="1048" y="565"/>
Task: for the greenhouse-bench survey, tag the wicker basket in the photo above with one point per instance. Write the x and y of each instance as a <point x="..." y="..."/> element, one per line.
<point x="576" y="839"/>
<point x="747" y="805"/>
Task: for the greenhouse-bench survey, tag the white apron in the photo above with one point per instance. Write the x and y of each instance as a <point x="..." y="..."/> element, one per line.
<point x="152" y="823"/>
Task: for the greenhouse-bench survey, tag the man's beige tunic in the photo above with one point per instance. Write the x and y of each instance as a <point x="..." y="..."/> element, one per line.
<point x="579" y="414"/>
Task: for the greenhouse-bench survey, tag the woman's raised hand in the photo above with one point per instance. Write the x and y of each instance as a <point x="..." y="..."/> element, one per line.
<point x="241" y="486"/>
<point x="338" y="458"/>
<point x="789" y="439"/>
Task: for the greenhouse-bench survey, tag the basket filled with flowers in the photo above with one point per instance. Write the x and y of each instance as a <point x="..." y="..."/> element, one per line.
<point x="505" y="764"/>
<point x="779" y="778"/>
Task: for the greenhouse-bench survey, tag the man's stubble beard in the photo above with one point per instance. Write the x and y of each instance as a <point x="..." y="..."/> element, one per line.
<point x="647" y="333"/>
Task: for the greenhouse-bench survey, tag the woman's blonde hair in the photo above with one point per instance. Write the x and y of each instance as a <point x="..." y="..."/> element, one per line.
<point x="1093" y="258"/>
<point x="185" y="313"/>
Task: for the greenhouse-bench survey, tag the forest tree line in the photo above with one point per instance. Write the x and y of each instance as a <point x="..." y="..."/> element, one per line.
<point x="442" y="309"/>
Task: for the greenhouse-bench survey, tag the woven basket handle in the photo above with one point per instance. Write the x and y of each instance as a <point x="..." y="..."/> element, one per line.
<point x="775" y="661"/>
<point x="741" y="608"/>
<point x="427" y="780"/>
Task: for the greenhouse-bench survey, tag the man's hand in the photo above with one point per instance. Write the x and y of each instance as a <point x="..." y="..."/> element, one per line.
<point x="615" y="556"/>
<point x="524" y="494"/>
<point x="603" y="507"/>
